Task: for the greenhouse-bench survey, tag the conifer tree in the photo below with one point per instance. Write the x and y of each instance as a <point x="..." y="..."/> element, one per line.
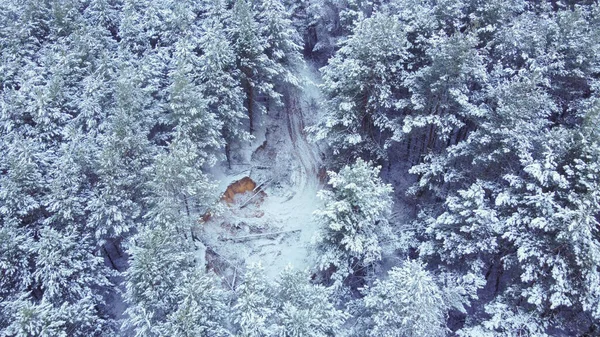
<point x="408" y="303"/>
<point x="166" y="292"/>
<point x="249" y="45"/>
<point x="304" y="309"/>
<point x="363" y="83"/>
<point x="219" y="80"/>
<point x="354" y="221"/>
<point x="255" y="307"/>
<point x="290" y="306"/>
<point x="281" y="42"/>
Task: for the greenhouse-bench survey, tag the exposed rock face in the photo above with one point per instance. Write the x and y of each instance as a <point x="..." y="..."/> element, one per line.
<point x="232" y="196"/>
<point x="238" y="187"/>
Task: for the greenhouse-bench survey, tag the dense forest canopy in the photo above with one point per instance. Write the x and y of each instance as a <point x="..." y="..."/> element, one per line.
<point x="456" y="144"/>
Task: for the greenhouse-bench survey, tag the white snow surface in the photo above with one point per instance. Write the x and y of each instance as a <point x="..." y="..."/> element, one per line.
<point x="288" y="165"/>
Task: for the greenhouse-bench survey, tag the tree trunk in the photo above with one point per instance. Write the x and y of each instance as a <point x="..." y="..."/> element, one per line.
<point x="187" y="207"/>
<point x="247" y="85"/>
<point x="430" y="140"/>
<point x="408" y="149"/>
<point x="423" y="146"/>
<point x="498" y="277"/>
<point x="112" y="263"/>
<point x="251" y="107"/>
<point x="117" y="248"/>
<point x="228" y="154"/>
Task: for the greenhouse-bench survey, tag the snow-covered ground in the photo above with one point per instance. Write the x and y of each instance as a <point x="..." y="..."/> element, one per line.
<point x="275" y="229"/>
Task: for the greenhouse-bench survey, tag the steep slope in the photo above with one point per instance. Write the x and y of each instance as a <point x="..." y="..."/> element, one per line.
<point x="274" y="228"/>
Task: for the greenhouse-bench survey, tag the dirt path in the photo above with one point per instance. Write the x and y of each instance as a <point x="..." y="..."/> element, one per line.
<point x="282" y="232"/>
<point x="305" y="152"/>
<point x="294" y="215"/>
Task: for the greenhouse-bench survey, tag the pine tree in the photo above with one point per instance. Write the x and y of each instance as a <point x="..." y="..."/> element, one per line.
<point x="281" y="42"/>
<point x="219" y="80"/>
<point x="178" y="187"/>
<point x="188" y="109"/>
<point x="22" y="187"/>
<point x="506" y="321"/>
<point x="363" y="84"/>
<point x="354" y="221"/>
<point x="202" y="308"/>
<point x="305" y="15"/>
<point x="304" y="309"/>
<point x="445" y="92"/>
<point x="79" y="319"/>
<point x="166" y="292"/>
<point x="15" y="260"/>
<point x="408" y="303"/>
<point x="255" y="308"/>
<point x="122" y="153"/>
<point x="65" y="269"/>
<point x="525" y="219"/>
<point x="290" y="306"/>
<point x="248" y="45"/>
<point x="66" y="290"/>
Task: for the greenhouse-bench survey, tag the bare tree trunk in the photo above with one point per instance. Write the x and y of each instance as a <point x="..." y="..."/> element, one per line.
<point x="423" y="145"/>
<point x="408" y="149"/>
<point x="251" y="108"/>
<point x="187" y="207"/>
<point x="430" y="140"/>
<point x="117" y="248"/>
<point x="112" y="263"/>
<point x="247" y="85"/>
<point x="228" y="154"/>
<point x="498" y="277"/>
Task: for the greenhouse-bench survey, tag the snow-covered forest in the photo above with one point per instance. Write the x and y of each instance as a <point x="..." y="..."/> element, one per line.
<point x="409" y="168"/>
